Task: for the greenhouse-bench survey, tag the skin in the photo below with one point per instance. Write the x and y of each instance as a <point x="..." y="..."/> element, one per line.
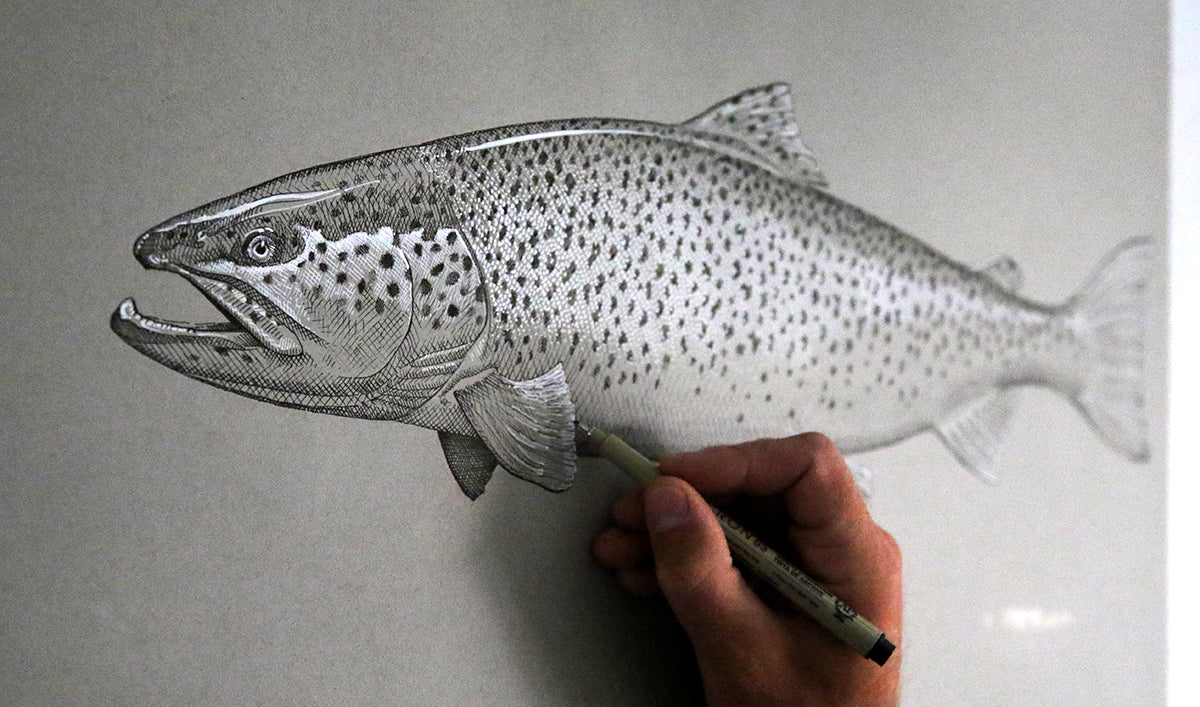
<point x="752" y="649"/>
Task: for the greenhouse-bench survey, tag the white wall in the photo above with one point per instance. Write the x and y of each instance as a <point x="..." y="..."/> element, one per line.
<point x="166" y="542"/>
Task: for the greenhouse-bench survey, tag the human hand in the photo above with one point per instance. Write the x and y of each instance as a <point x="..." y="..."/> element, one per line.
<point x="753" y="651"/>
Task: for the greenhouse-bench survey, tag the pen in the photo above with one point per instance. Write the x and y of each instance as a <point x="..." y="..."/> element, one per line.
<point x="829" y="611"/>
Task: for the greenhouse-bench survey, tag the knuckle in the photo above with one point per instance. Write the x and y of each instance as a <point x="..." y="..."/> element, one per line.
<point x="820" y="445"/>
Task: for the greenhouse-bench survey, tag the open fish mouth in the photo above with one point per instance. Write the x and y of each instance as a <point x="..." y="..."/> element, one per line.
<point x="248" y="324"/>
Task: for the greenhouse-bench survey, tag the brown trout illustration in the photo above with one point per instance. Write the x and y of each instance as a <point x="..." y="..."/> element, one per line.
<point x="680" y="285"/>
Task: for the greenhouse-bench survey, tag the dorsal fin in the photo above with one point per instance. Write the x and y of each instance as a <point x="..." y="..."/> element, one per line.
<point x="761" y="122"/>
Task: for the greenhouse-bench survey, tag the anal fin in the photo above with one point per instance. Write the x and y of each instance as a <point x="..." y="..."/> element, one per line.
<point x="974" y="432"/>
<point x="471" y="462"/>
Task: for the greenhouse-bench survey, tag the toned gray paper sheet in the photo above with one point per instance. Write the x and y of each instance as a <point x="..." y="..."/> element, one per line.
<point x="167" y="541"/>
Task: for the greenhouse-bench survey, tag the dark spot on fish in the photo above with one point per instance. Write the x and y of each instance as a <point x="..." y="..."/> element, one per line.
<point x="379" y="306"/>
<point x="425" y="287"/>
<point x="393" y="289"/>
<point x="341" y="277"/>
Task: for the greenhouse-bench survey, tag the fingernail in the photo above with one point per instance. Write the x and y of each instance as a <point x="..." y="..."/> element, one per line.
<point x="666" y="508"/>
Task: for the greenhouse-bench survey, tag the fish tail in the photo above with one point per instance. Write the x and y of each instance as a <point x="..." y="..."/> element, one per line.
<point x="1110" y="314"/>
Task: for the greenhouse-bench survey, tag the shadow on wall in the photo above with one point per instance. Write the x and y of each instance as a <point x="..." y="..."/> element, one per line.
<point x="578" y="637"/>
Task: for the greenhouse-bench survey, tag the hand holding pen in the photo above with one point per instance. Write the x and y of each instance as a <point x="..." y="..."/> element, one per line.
<point x="752" y="651"/>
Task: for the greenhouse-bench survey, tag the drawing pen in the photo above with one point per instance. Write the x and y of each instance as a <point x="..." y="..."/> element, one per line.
<point x="829" y="611"/>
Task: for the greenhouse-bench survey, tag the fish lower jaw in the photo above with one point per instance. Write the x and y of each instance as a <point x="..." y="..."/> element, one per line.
<point x="135" y="327"/>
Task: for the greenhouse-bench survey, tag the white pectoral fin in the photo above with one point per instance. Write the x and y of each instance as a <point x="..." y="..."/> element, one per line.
<point x="974" y="432"/>
<point x="470" y="461"/>
<point x="528" y="425"/>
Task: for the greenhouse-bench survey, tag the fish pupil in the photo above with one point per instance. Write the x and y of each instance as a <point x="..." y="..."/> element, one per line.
<point x="261" y="245"/>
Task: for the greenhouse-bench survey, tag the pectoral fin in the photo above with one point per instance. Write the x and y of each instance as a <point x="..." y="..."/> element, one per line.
<point x="975" y="431"/>
<point x="470" y="461"/>
<point x="528" y="425"/>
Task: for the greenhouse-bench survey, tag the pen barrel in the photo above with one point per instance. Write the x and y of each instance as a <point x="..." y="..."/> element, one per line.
<point x="800" y="589"/>
<point x="617" y="451"/>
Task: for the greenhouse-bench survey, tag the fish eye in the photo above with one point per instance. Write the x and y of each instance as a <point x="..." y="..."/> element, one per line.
<point x="260" y="245"/>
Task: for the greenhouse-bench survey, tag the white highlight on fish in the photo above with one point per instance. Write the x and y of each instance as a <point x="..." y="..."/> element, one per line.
<point x="681" y="285"/>
<point x="544" y="136"/>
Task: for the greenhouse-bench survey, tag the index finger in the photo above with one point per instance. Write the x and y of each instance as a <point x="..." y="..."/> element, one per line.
<point x="807" y="470"/>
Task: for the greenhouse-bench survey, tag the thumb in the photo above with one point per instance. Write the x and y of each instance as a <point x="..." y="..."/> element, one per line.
<point x="695" y="570"/>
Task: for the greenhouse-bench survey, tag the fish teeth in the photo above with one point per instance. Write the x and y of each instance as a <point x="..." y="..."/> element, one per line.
<point x="128" y="311"/>
<point x="249" y="314"/>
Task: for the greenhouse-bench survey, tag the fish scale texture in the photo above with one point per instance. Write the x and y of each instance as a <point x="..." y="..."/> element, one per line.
<point x="682" y="285"/>
<point x="771" y="306"/>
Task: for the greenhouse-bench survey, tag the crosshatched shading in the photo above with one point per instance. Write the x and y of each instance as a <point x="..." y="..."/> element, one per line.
<point x="681" y="285"/>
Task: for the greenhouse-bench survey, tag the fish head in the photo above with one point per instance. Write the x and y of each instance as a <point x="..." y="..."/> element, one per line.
<point x="314" y="285"/>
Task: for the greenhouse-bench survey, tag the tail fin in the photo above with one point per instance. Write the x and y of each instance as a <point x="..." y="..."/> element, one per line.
<point x="1110" y="315"/>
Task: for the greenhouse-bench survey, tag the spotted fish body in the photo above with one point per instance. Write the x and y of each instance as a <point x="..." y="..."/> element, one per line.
<point x="680" y="284"/>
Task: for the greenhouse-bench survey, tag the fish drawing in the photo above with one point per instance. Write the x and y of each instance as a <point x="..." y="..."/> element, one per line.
<point x="680" y="285"/>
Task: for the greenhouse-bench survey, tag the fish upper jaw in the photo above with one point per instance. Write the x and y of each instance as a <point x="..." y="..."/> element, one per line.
<point x="264" y="325"/>
<point x="249" y="323"/>
<point x="171" y="250"/>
